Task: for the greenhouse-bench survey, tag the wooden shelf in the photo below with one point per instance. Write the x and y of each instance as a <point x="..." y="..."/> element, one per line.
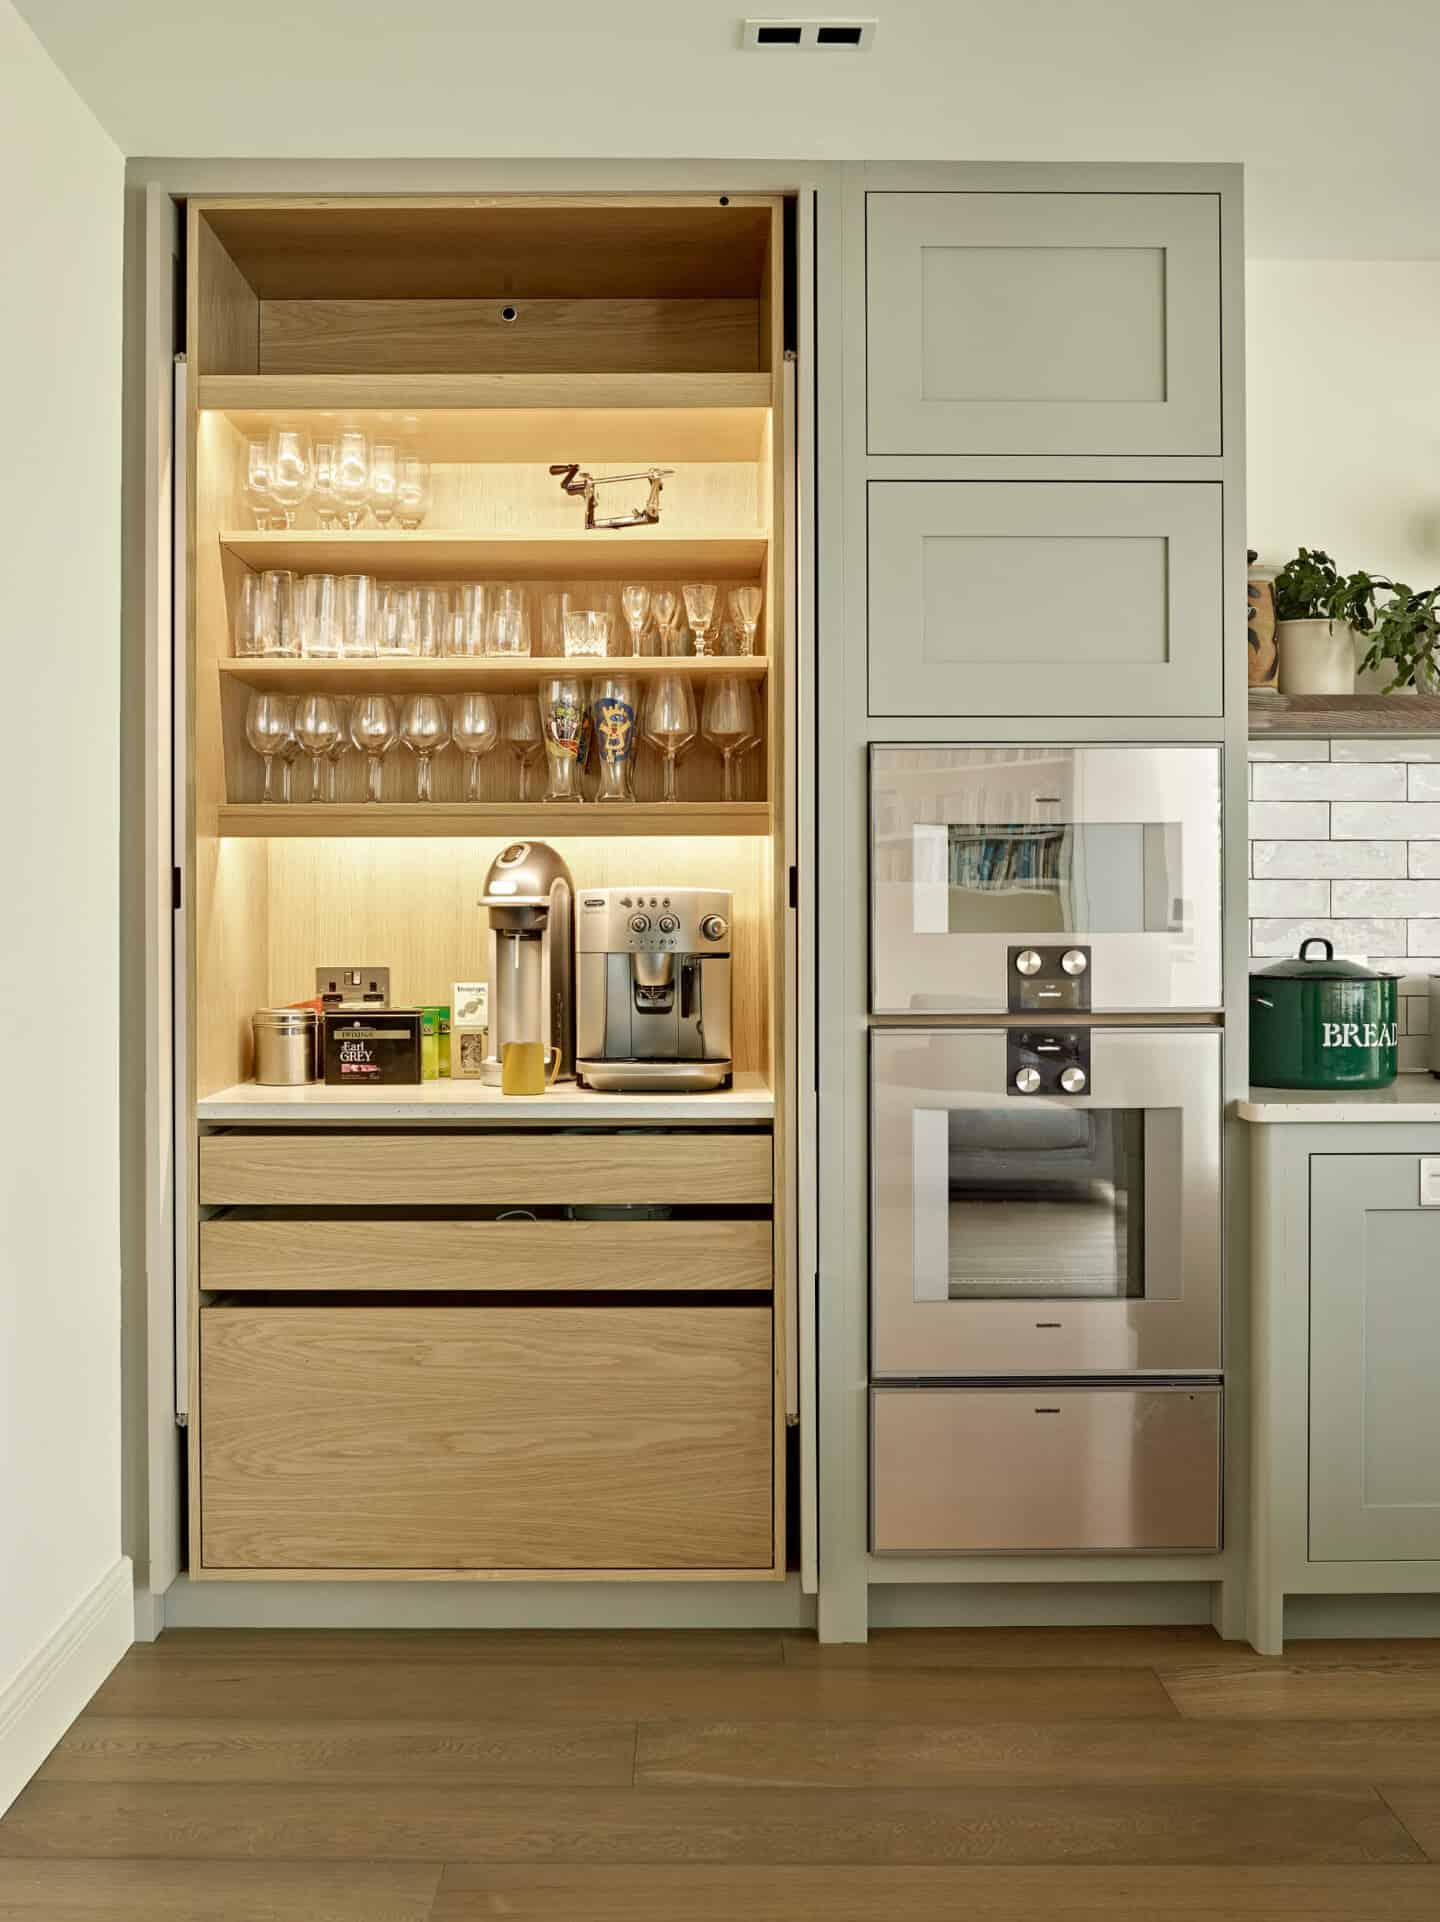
<point x="748" y="1099"/>
<point x="652" y="553"/>
<point x="398" y="674"/>
<point x="1378" y="714"/>
<point x="493" y="820"/>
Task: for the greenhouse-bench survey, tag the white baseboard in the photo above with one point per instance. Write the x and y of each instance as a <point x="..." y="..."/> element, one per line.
<point x="55" y="1684"/>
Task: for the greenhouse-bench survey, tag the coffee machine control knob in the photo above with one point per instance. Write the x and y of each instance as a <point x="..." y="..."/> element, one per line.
<point x="1074" y="961"/>
<point x="1028" y="961"/>
<point x="1027" y="1080"/>
<point x="667" y="924"/>
<point x="714" y="927"/>
<point x="1073" y="1080"/>
<point x="639" y="924"/>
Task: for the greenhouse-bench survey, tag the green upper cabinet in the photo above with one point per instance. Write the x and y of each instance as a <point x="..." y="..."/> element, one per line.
<point x="1035" y="324"/>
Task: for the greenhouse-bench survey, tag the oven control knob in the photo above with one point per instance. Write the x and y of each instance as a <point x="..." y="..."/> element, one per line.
<point x="714" y="927"/>
<point x="639" y="924"/>
<point x="1073" y="1080"/>
<point x="667" y="924"/>
<point x="1027" y="1080"/>
<point x="1028" y="962"/>
<point x="1074" y="961"/>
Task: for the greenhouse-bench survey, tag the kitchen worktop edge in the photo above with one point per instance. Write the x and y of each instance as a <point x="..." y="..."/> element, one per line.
<point x="1410" y="1098"/>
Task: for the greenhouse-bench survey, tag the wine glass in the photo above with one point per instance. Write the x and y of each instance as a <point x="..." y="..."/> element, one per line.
<point x="257" y="482"/>
<point x="509" y="620"/>
<point x="474" y="730"/>
<point x="635" y="602"/>
<point x="412" y="490"/>
<point x="425" y="729"/>
<point x="613" y="707"/>
<point x="524" y="733"/>
<point x="729" y="723"/>
<point x="384" y="478"/>
<point x="700" y="611"/>
<point x="670" y="723"/>
<point x="374" y="730"/>
<point x="566" y="721"/>
<point x="268" y="720"/>
<point x="665" y="603"/>
<point x="341" y="748"/>
<point x="292" y="472"/>
<point x="317" y="729"/>
<point x="350" y="478"/>
<point x="745" y="603"/>
<point x="322" y="495"/>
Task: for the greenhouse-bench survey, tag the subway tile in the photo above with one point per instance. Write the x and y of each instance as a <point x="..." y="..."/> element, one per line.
<point x="1289" y="897"/>
<point x="1414" y="970"/>
<point x="1287" y="750"/>
<point x="1362" y="898"/>
<point x="1384" y="821"/>
<point x="1424" y="783"/>
<point x="1423" y="938"/>
<point x="1330" y="860"/>
<point x="1417" y="1013"/>
<point x="1329" y="781"/>
<point x="1355" y="940"/>
<point x="1413" y="1053"/>
<point x="1425" y="860"/>
<point x="1405" y="747"/>
<point x="1291" y="821"/>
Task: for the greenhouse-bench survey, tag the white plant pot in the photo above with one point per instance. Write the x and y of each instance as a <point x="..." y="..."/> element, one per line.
<point x="1316" y="657"/>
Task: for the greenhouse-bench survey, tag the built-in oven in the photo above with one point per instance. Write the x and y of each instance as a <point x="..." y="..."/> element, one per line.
<point x="1045" y="1201"/>
<point x="1041" y="880"/>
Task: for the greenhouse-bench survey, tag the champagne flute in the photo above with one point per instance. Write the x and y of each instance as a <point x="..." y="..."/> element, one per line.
<point x="745" y="603"/>
<point x="322" y="495"/>
<point x="268" y="720"/>
<point x="670" y="723"/>
<point x="412" y="491"/>
<point x="729" y="723"/>
<point x="700" y="612"/>
<point x="292" y="472"/>
<point x="257" y="482"/>
<point x="384" y="478"/>
<point x="317" y="729"/>
<point x="474" y="730"/>
<point x="665" y="603"/>
<point x="525" y="735"/>
<point x="374" y="730"/>
<point x="425" y="729"/>
<point x="350" y="478"/>
<point x="635" y="602"/>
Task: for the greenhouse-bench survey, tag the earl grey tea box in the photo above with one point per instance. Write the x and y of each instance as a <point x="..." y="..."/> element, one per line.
<point x="372" y="1047"/>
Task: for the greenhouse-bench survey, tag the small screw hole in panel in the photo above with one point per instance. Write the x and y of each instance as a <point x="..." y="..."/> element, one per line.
<point x="509" y="313"/>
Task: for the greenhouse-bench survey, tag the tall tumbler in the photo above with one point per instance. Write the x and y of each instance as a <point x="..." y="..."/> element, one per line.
<point x="566" y="720"/>
<point x="614" y="706"/>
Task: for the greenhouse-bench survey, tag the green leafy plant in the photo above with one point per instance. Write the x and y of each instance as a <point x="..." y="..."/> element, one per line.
<point x="1406" y="638"/>
<point x="1312" y="588"/>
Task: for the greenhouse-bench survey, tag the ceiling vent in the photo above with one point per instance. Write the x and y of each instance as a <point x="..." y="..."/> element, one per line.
<point x="811" y="36"/>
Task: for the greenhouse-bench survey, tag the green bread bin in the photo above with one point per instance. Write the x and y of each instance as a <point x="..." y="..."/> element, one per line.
<point x="1323" y="1023"/>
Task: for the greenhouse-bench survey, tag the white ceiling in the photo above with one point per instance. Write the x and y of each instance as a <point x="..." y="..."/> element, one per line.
<point x="1329" y="104"/>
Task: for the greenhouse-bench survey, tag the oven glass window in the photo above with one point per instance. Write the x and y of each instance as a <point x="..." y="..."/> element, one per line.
<point x="1093" y="877"/>
<point x="1044" y="1202"/>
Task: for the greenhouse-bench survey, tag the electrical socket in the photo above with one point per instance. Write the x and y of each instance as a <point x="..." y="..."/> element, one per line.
<point x="354" y="984"/>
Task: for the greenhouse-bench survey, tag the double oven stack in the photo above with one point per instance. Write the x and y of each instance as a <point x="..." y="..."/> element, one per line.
<point x="1045" y="1271"/>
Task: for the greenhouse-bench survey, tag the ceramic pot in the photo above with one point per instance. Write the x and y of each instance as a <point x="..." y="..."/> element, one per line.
<point x="1316" y="657"/>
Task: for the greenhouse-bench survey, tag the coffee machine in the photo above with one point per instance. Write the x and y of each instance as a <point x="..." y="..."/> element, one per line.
<point x="529" y="899"/>
<point x="653" y="984"/>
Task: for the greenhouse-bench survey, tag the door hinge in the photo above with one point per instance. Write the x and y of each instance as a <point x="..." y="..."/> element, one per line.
<point x="177" y="889"/>
<point x="182" y="1420"/>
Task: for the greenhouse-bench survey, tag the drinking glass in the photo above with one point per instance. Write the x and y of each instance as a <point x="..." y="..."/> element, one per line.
<point x="587" y="634"/>
<point x="474" y="730"/>
<point x="397" y="624"/>
<point x="524" y="733"/>
<point x="468" y="627"/>
<point x="384" y="478"/>
<point x="275" y="613"/>
<point x="412" y="490"/>
<point x="745" y="605"/>
<point x="322" y="495"/>
<point x="613" y="705"/>
<point x="374" y="730"/>
<point x="247" y="615"/>
<point x="509" y="620"/>
<point x="341" y="748"/>
<point x="350" y="479"/>
<point x="317" y="729"/>
<point x="670" y="723"/>
<point x="432" y="620"/>
<point x="268" y="720"/>
<point x="635" y="601"/>
<point x="257" y="482"/>
<point x="292" y="471"/>
<point x="665" y="604"/>
<point x="320" y="616"/>
<point x="700" y="611"/>
<point x="359" y="616"/>
<point x="729" y="723"/>
<point x="289" y="752"/>
<point x="552" y="602"/>
<point x="566" y="720"/>
<point x="425" y="729"/>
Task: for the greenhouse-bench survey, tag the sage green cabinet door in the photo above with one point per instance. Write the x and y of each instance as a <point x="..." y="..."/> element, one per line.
<point x="1374" y="1361"/>
<point x="1043" y="323"/>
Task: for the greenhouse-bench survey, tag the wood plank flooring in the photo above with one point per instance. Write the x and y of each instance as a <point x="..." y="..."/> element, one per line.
<point x="255" y="1776"/>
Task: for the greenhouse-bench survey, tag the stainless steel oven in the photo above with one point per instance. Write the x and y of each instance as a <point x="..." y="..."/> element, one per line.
<point x="1044" y="879"/>
<point x="1045" y="1201"/>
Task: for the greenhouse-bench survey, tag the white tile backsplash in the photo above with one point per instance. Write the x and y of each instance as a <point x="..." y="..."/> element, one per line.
<point x="1272" y="936"/>
<point x="1424" y="783"/>
<point x="1290" y="820"/>
<point x="1418" y="747"/>
<point x="1331" y="781"/>
<point x="1407" y="898"/>
<point x="1424" y="857"/>
<point x="1332" y="861"/>
<point x="1385" y="821"/>
<point x="1291" y="897"/>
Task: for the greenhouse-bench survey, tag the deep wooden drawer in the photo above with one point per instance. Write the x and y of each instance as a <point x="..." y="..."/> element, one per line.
<point x="485" y="1438"/>
<point x="421" y="1169"/>
<point x="363" y="1253"/>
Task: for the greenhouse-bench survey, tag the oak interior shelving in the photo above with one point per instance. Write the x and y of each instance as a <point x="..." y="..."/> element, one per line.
<point x="1359" y="714"/>
<point x="655" y="553"/>
<point x="497" y="820"/>
<point x="402" y="674"/>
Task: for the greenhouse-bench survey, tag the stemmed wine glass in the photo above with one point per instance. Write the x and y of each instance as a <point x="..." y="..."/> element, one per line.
<point x="745" y="603"/>
<point x="322" y="496"/>
<point x="350" y="476"/>
<point x="317" y="729"/>
<point x="384" y="478"/>
<point x="341" y="748"/>
<point x="700" y="612"/>
<point x="412" y="491"/>
<point x="670" y="723"/>
<point x="665" y="603"/>
<point x="292" y="472"/>
<point x="268" y="721"/>
<point x="257" y="482"/>
<point x="525" y="736"/>
<point x="425" y="729"/>
<point x="474" y="731"/>
<point x="729" y="723"/>
<point x="635" y="602"/>
<point x="374" y="730"/>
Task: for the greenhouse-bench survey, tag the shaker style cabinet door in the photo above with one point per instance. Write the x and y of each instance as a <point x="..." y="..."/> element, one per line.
<point x="1374" y="1361"/>
<point x="1020" y="323"/>
<point x="1066" y="597"/>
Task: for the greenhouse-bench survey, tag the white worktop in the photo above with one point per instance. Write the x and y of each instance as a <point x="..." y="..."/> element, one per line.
<point x="1410" y="1097"/>
<point x="749" y="1099"/>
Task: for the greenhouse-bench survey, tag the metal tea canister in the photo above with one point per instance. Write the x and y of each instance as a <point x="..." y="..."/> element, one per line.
<point x="287" y="1047"/>
<point x="1323" y="1023"/>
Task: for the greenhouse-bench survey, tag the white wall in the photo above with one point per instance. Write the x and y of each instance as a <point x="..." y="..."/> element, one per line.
<point x="59" y="618"/>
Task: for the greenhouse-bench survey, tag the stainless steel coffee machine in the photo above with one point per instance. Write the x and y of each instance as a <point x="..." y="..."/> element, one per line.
<point x="530" y="901"/>
<point x="653" y="1010"/>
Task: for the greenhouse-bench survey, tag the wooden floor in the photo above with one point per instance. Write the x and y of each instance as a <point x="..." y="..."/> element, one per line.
<point x="999" y="1776"/>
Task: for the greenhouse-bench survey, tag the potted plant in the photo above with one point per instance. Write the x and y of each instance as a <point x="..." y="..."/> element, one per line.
<point x="1318" y="613"/>
<point x="1405" y="640"/>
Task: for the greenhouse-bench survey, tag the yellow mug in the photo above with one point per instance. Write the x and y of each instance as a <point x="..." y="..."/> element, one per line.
<point x="522" y="1067"/>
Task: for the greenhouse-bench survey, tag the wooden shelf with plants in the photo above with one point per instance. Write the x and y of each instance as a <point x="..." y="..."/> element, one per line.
<point x="1358" y="714"/>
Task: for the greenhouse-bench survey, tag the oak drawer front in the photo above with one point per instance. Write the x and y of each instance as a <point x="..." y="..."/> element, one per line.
<point x="1085" y="1469"/>
<point x="338" y="1255"/>
<point x="485" y="1438"/>
<point x="396" y="1170"/>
